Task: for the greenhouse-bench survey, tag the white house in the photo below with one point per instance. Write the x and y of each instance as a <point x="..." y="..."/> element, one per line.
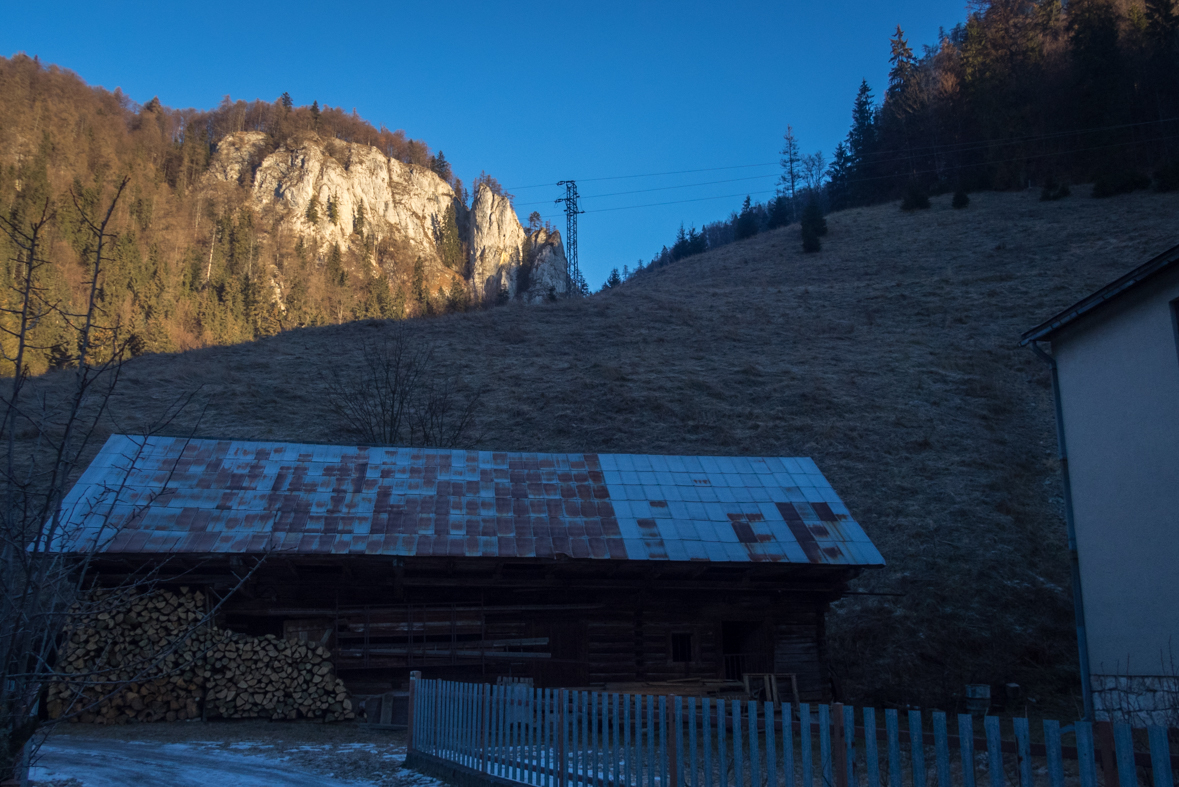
<point x="1115" y="365"/>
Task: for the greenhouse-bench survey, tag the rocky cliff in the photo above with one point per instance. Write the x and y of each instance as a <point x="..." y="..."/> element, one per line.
<point x="330" y="193"/>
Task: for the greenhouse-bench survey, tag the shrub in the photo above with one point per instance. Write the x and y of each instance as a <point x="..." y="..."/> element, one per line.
<point x="1111" y="183"/>
<point x="813" y="226"/>
<point x="1166" y="177"/>
<point x="915" y="197"/>
<point x="961" y="200"/>
<point x="1053" y="191"/>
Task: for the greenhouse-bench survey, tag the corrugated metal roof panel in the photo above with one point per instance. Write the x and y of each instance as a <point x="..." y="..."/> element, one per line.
<point x="163" y="494"/>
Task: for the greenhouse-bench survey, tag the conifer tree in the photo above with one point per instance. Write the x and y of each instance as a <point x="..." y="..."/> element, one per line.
<point x="285" y="100"/>
<point x="333" y="210"/>
<point x="613" y="280"/>
<point x="335" y="267"/>
<point x="450" y="246"/>
<point x="746" y="226"/>
<point x="813" y="225"/>
<point x="418" y="285"/>
<point x="358" y="220"/>
<point x="312" y="213"/>
<point x="791" y="167"/>
<point x="861" y="140"/>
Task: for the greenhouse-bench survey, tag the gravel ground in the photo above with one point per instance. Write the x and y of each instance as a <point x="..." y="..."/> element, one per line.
<point x="221" y="754"/>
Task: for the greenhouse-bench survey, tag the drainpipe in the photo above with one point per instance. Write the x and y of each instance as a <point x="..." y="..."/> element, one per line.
<point x="1074" y="562"/>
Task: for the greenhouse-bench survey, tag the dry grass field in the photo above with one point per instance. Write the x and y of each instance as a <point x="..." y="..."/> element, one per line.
<point x="890" y="357"/>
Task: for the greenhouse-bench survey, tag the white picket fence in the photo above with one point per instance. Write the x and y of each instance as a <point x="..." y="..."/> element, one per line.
<point x="568" y="738"/>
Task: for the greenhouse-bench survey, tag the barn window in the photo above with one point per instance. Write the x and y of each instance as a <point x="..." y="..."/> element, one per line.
<point x="681" y="648"/>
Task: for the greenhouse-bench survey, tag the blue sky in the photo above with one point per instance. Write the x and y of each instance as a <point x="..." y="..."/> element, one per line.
<point x="532" y="93"/>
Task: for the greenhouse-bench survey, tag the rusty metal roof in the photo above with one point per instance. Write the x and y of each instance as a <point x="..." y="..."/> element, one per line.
<point x="178" y="495"/>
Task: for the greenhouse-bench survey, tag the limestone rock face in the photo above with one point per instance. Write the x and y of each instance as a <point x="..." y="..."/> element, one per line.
<point x="231" y="161"/>
<point x="394" y="198"/>
<point x="497" y="246"/>
<point x="547" y="268"/>
<point x="299" y="187"/>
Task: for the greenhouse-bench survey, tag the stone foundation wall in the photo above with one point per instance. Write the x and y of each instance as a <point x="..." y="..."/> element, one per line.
<point x="1139" y="699"/>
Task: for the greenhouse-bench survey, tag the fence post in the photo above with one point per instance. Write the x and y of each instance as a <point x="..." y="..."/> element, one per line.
<point x="839" y="751"/>
<point x="1105" y="745"/>
<point x="413" y="685"/>
<point x="673" y="776"/>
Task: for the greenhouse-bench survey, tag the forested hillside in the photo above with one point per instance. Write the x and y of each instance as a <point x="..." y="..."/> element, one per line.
<point x="191" y="260"/>
<point x="1038" y="93"/>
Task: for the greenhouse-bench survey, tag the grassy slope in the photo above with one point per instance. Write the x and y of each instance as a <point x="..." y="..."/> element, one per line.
<point x="890" y="358"/>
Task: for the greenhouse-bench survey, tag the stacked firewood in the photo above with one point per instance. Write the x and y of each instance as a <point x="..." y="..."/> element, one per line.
<point x="154" y="658"/>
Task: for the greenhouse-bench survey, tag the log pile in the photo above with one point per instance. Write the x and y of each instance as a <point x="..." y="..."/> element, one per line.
<point x="155" y="658"/>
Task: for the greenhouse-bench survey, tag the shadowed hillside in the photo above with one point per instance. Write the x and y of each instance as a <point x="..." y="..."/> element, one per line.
<point x="891" y="358"/>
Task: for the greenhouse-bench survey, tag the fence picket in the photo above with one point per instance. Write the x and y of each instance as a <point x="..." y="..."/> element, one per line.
<point x="805" y="750"/>
<point x="966" y="745"/>
<point x="1124" y="746"/>
<point x="1052" y="745"/>
<point x="787" y="745"/>
<point x="722" y="779"/>
<point x="615" y="751"/>
<point x="651" y="741"/>
<point x="738" y="748"/>
<point x="994" y="750"/>
<point x="693" y="779"/>
<point x="1023" y="743"/>
<point x="871" y="756"/>
<point x="706" y="716"/>
<point x="629" y="756"/>
<point x="1086" y="765"/>
<point x="771" y="748"/>
<point x="892" y="731"/>
<point x="1160" y="756"/>
<point x="849" y="741"/>
<point x="754" y="754"/>
<point x="677" y="738"/>
<point x="917" y="748"/>
<point x="825" y="762"/>
<point x="661" y="721"/>
<point x="941" y="749"/>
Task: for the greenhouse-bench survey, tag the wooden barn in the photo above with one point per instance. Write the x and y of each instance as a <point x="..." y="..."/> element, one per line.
<point x="568" y="569"/>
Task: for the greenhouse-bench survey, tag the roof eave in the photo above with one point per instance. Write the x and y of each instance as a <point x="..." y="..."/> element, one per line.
<point x="1101" y="297"/>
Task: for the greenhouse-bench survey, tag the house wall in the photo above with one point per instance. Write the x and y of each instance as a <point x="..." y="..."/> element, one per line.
<point x="1119" y="386"/>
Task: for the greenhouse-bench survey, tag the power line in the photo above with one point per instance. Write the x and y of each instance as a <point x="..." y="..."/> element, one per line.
<point x="885" y="177"/>
<point x="660" y="188"/>
<point x="949" y="147"/>
<point x="653" y="174"/>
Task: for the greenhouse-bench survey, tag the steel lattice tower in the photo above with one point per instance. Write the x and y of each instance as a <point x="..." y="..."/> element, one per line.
<point x="572" y="271"/>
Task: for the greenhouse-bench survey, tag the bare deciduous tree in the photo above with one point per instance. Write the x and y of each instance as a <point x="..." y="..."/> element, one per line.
<point x="399" y="397"/>
<point x="46" y="586"/>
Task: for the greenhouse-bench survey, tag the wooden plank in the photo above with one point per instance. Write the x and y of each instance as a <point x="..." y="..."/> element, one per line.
<point x="1086" y="766"/>
<point x="917" y="748"/>
<point x="1055" y="761"/>
<point x="1160" y="756"/>
<point x="771" y="748"/>
<point x="871" y="756"/>
<point x="805" y="747"/>
<point x="994" y="750"/>
<point x="966" y="738"/>
<point x="706" y="716"/>
<point x="838" y="749"/>
<point x="787" y="746"/>
<point x="941" y="749"/>
<point x="1124" y="746"/>
<point x="721" y="754"/>
<point x="754" y="754"/>
<point x="892" y="733"/>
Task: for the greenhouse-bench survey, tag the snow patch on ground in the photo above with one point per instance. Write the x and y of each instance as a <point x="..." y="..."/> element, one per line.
<point x="75" y="761"/>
